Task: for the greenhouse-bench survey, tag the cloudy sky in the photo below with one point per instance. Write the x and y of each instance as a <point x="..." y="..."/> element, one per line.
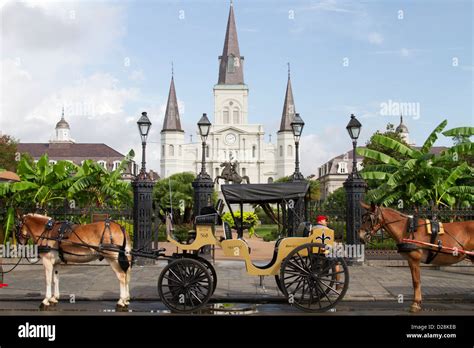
<point x="107" y="61"/>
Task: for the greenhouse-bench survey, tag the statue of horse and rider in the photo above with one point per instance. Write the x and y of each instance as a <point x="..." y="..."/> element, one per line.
<point x="230" y="173"/>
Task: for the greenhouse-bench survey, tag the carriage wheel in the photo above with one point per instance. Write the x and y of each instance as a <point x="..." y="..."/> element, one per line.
<point x="206" y="263"/>
<point x="313" y="282"/>
<point x="185" y="285"/>
<point x="212" y="272"/>
<point x="278" y="282"/>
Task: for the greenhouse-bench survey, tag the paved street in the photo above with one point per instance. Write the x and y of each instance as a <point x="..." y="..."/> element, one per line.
<point x="375" y="288"/>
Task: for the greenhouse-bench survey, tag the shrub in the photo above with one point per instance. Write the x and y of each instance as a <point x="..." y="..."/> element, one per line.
<point x="250" y="220"/>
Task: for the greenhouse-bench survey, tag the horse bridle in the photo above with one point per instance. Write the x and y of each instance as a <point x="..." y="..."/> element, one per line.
<point x="29" y="234"/>
<point x="375" y="224"/>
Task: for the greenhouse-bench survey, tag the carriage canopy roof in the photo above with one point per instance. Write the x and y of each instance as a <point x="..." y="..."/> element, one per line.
<point x="264" y="193"/>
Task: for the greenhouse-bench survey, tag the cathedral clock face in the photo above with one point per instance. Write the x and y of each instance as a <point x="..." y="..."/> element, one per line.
<point x="230" y="139"/>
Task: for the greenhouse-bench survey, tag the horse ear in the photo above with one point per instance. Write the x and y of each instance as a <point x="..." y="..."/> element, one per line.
<point x="364" y="205"/>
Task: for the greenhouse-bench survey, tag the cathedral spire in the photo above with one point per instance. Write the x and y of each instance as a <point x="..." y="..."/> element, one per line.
<point x="172" y="121"/>
<point x="230" y="69"/>
<point x="288" y="107"/>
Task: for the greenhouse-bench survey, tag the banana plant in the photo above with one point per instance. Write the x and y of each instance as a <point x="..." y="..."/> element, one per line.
<point x="422" y="177"/>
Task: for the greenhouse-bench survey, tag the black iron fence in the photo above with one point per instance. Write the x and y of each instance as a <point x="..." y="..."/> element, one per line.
<point x="337" y="219"/>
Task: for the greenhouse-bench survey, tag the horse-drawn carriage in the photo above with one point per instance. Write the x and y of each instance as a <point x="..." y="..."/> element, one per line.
<point x="304" y="269"/>
<point x="308" y="275"/>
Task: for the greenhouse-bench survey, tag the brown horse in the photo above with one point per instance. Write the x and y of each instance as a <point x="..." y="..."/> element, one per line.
<point x="79" y="245"/>
<point x="458" y="235"/>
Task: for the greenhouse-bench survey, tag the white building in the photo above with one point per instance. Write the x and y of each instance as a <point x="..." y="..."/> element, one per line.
<point x="231" y="137"/>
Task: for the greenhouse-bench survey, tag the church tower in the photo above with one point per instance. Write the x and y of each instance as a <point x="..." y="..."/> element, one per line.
<point x="285" y="156"/>
<point x="172" y="136"/>
<point x="230" y="92"/>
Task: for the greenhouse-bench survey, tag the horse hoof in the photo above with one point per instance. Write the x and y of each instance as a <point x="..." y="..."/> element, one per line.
<point x="415" y="308"/>
<point x="119" y="308"/>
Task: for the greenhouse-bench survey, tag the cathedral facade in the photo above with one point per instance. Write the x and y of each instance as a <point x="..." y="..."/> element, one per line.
<point x="232" y="136"/>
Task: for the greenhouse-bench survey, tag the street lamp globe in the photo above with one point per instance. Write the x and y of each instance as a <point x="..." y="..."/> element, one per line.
<point x="144" y="126"/>
<point x="297" y="126"/>
<point x="204" y="126"/>
<point x="353" y="127"/>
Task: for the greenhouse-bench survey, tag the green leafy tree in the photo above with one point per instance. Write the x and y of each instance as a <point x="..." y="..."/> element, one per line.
<point x="421" y="178"/>
<point x="8" y="150"/>
<point x="314" y="187"/>
<point x="45" y="185"/>
<point x="336" y="200"/>
<point x="372" y="144"/>
<point x="179" y="187"/>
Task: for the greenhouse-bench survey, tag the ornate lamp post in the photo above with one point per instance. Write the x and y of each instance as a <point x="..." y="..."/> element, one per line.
<point x="297" y="213"/>
<point x="143" y="198"/>
<point x="203" y="185"/>
<point x="297" y="126"/>
<point x="355" y="187"/>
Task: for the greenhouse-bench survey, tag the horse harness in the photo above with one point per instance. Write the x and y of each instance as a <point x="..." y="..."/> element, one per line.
<point x="65" y="230"/>
<point x="412" y="227"/>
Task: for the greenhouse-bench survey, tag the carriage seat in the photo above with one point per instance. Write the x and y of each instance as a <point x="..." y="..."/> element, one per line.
<point x="207" y="219"/>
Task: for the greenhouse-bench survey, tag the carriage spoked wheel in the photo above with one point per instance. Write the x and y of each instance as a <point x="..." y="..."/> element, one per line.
<point x="185" y="285"/>
<point x="206" y="263"/>
<point x="313" y="281"/>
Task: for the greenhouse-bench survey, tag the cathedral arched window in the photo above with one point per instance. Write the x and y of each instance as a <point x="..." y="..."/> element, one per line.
<point x="281" y="151"/>
<point x="254" y="151"/>
<point x="290" y="151"/>
<point x="244" y="171"/>
<point x="236" y="115"/>
<point x="180" y="150"/>
<point x="226" y="115"/>
<point x="270" y="180"/>
<point x="163" y="150"/>
<point x="207" y="150"/>
<point x="171" y="150"/>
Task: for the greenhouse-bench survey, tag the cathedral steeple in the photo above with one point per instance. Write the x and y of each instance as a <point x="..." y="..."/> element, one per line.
<point x="288" y="107"/>
<point x="172" y="121"/>
<point x="231" y="69"/>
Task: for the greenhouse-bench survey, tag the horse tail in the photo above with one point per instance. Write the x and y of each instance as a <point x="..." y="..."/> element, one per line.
<point x="123" y="260"/>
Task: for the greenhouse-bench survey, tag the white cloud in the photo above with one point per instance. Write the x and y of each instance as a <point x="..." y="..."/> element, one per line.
<point x="375" y="38"/>
<point x="311" y="160"/>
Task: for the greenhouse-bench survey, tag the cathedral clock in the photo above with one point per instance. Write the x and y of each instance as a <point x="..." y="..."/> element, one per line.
<point x="230" y="139"/>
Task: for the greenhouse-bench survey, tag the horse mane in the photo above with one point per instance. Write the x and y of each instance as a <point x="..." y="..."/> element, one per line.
<point x="396" y="211"/>
<point x="38" y="215"/>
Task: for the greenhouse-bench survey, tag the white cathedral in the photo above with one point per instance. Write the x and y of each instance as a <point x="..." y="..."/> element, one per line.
<point x="232" y="137"/>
